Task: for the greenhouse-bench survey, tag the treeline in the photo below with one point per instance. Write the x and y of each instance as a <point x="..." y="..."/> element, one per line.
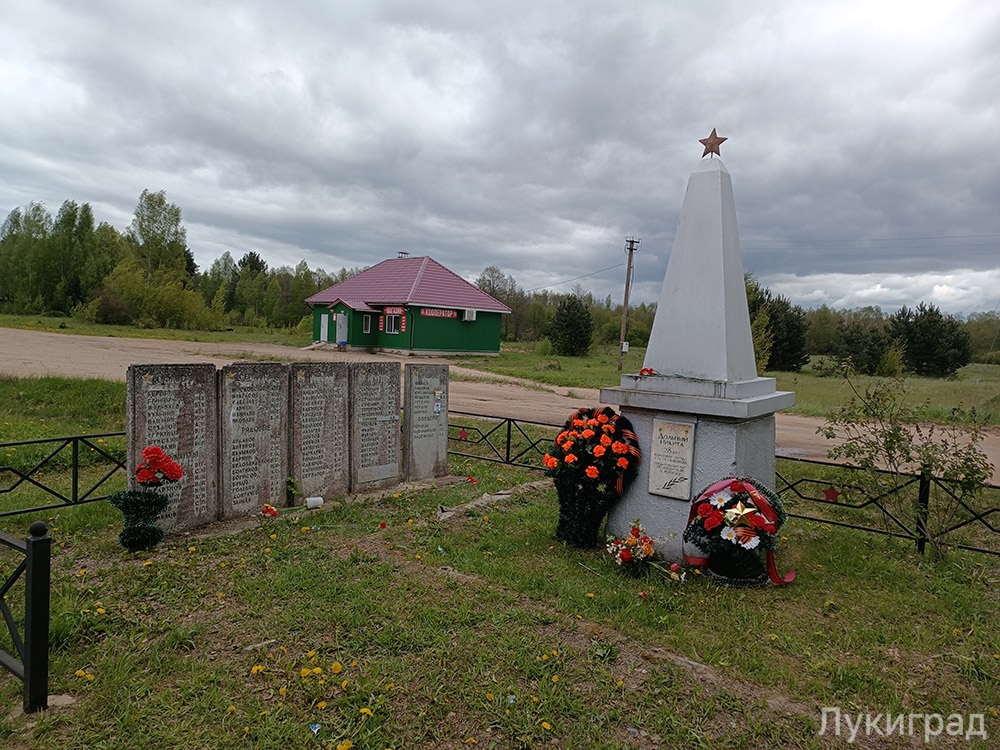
<point x="146" y="276"/>
<point x="921" y="341"/>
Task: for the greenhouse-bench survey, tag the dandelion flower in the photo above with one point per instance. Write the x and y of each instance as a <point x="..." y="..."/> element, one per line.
<point x="546" y="726"/>
<point x="555" y="678"/>
<point x="336" y="667"/>
<point x="345" y="745"/>
<point x="366" y="712"/>
<point x="305" y="672"/>
<point x="256" y="669"/>
<point x="321" y="705"/>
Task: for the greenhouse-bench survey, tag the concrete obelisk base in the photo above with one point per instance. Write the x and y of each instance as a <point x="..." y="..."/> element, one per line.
<point x="689" y="442"/>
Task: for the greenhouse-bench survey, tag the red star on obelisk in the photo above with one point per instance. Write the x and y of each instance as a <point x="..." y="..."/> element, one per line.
<point x="712" y="144"/>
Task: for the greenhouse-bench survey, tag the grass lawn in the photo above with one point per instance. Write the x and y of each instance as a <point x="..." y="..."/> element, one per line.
<point x="324" y="629"/>
<point x="482" y="630"/>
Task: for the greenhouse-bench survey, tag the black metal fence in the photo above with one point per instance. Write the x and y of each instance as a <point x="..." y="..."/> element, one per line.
<point x="66" y="471"/>
<point x="30" y="660"/>
<point x="895" y="512"/>
<point x="516" y="442"/>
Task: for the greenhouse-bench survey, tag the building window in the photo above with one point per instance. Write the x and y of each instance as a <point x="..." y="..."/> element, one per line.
<point x="392" y="324"/>
<point x="366" y="324"/>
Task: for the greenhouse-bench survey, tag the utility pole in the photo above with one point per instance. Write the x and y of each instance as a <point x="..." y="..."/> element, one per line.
<point x="631" y="247"/>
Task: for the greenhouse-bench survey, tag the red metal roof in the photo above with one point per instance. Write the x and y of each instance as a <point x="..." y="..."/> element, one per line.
<point x="409" y="281"/>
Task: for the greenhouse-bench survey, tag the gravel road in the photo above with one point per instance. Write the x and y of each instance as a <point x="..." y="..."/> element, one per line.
<point x="35" y="353"/>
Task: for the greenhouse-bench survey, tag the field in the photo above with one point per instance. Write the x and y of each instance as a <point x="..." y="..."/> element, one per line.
<point x="476" y="628"/>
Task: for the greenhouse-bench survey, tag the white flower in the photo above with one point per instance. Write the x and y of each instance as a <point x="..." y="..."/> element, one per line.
<point x="751" y="543"/>
<point x="728" y="532"/>
<point x="720" y="498"/>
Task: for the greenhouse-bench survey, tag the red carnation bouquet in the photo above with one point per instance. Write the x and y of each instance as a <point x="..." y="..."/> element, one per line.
<point x="156" y="467"/>
<point x="141" y="508"/>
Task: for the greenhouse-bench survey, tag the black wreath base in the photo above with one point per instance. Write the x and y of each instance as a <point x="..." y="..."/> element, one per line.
<point x="738" y="567"/>
<point x="140" y="510"/>
<point x="581" y="513"/>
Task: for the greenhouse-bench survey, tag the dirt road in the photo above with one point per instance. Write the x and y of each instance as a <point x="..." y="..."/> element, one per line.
<point x="35" y="353"/>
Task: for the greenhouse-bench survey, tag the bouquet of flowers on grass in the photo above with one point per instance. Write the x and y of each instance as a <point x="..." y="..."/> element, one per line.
<point x="141" y="508"/>
<point x="634" y="552"/>
<point x="592" y="461"/>
<point x="731" y="521"/>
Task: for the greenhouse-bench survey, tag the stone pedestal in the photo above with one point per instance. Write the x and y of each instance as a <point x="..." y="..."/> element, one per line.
<point x="689" y="442"/>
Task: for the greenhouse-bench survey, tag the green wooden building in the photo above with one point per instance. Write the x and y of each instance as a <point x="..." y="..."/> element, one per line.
<point x="408" y="305"/>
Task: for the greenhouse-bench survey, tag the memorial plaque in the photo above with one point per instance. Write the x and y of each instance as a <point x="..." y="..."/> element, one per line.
<point x="175" y="407"/>
<point x="375" y="449"/>
<point x="320" y="417"/>
<point x="425" y="421"/>
<point x="254" y="443"/>
<point x="670" y="461"/>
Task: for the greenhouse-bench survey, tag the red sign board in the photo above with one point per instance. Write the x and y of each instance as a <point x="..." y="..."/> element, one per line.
<point x="436" y="312"/>
<point x="393" y="310"/>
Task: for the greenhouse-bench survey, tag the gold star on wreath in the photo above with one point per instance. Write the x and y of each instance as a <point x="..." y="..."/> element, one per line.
<point x="739" y="514"/>
<point x="712" y="144"/>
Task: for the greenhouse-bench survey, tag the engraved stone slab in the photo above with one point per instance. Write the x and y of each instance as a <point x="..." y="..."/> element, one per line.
<point x="254" y="441"/>
<point x="320" y="418"/>
<point x="671" y="454"/>
<point x="375" y="444"/>
<point x="176" y="408"/>
<point x="425" y="421"/>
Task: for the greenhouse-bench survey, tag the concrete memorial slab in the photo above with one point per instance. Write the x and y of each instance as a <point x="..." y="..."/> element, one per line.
<point x="254" y="437"/>
<point x="175" y="407"/>
<point x="375" y="440"/>
<point x="425" y="421"/>
<point x="320" y="423"/>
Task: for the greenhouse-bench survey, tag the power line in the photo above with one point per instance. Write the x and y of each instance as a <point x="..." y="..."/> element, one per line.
<point x="583" y="276"/>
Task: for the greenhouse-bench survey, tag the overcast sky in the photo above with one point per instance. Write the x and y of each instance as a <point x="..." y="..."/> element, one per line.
<point x="534" y="135"/>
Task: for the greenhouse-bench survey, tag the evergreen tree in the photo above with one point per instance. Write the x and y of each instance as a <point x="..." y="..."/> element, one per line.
<point x="572" y="327"/>
<point x="786" y="324"/>
<point x="862" y="339"/>
<point x="934" y="344"/>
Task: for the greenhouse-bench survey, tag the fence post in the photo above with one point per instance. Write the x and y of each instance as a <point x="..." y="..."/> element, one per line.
<point x="923" y="510"/>
<point x="507" y="455"/>
<point x="38" y="551"/>
<point x="75" y="491"/>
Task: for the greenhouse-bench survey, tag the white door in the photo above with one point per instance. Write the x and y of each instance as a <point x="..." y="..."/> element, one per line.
<point x="341" y="328"/>
<point x="324" y="327"/>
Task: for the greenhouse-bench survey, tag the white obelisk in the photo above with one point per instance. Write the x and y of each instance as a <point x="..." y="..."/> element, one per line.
<point x="703" y="414"/>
